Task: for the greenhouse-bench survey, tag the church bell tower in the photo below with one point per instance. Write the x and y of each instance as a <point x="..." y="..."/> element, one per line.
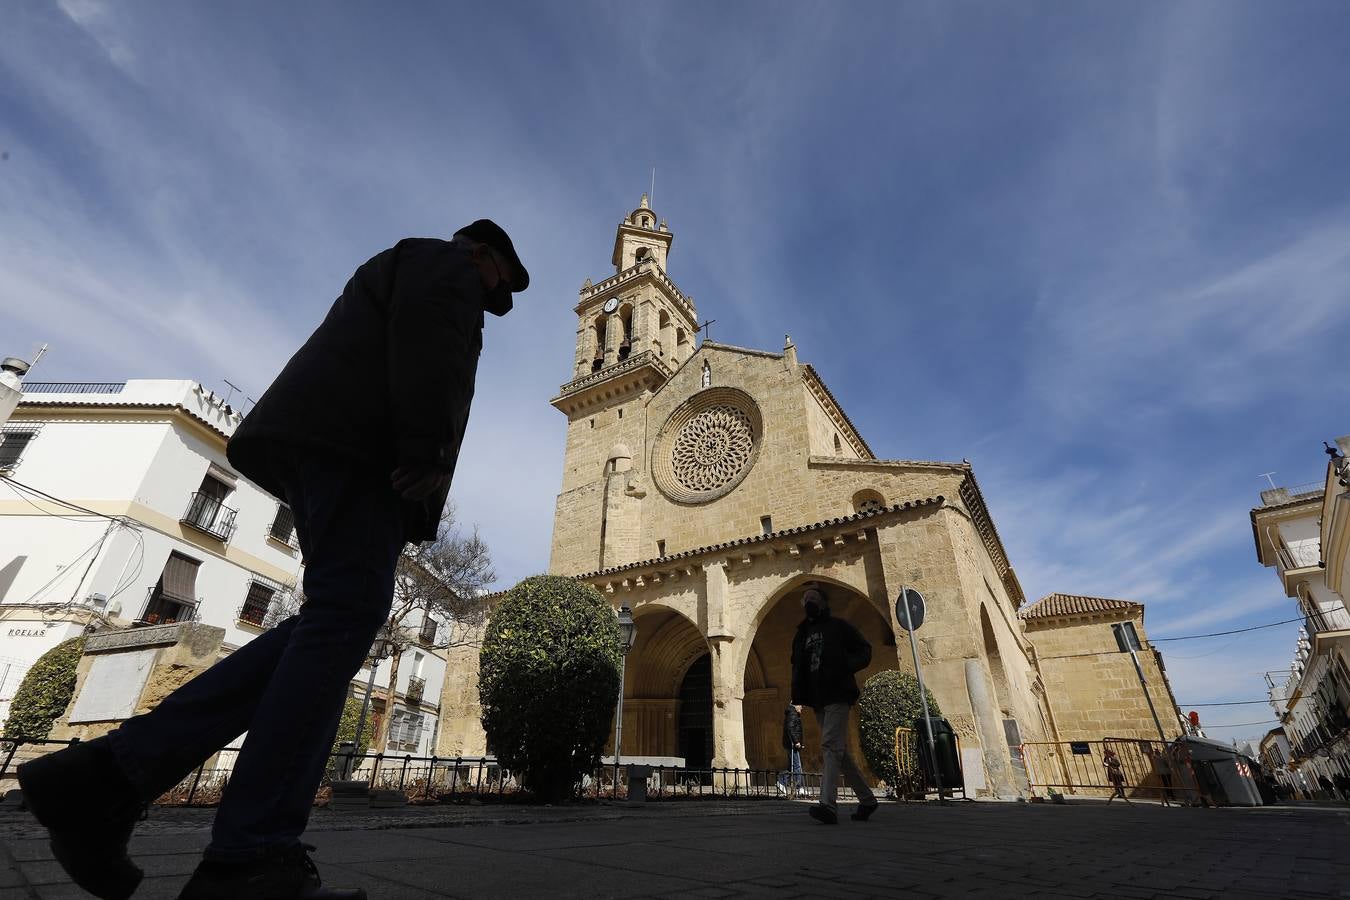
<point x="634" y="329"/>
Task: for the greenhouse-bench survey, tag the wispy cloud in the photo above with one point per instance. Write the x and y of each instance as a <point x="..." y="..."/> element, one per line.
<point x="1103" y="254"/>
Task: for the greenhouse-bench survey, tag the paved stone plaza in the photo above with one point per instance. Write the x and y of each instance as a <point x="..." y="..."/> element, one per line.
<point x="771" y="849"/>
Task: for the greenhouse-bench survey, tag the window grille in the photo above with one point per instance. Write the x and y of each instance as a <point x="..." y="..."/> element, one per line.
<point x="283" y="526"/>
<point x="14" y="439"/>
<point x="405" y="730"/>
<point x="257" y="602"/>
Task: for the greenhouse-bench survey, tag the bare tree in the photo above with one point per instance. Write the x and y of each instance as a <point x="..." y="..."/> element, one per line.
<point x="438" y="599"/>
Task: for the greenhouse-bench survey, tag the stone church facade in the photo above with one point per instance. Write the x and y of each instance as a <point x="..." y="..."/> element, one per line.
<point x="704" y="485"/>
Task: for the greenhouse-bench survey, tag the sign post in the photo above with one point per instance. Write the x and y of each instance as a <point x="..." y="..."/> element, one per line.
<point x="909" y="612"/>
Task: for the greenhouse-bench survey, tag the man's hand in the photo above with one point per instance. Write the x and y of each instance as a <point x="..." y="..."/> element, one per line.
<point x="420" y="481"/>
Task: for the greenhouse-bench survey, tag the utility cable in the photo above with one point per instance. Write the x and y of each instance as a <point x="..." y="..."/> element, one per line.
<point x="1192" y="637"/>
<point x="58" y="500"/>
<point x="21" y="490"/>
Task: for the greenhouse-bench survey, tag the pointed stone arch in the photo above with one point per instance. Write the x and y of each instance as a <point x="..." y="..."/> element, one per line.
<point x="767" y="668"/>
<point x="669" y="644"/>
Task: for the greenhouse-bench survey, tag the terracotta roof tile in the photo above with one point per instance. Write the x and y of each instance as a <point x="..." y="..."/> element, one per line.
<point x="1055" y="605"/>
<point x="773" y="535"/>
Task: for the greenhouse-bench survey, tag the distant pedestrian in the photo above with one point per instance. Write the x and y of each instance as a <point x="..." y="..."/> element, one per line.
<point x="1342" y="782"/>
<point x="826" y="653"/>
<point x="1162" y="766"/>
<point x="792" y="781"/>
<point x="1115" y="773"/>
<point x="1327" y="787"/>
<point x="359" y="436"/>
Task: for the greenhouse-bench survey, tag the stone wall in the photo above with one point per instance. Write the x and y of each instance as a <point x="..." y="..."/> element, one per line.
<point x="1092" y="687"/>
<point x="172" y="654"/>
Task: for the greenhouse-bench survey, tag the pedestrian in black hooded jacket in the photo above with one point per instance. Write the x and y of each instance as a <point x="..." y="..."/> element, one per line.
<point x="826" y="652"/>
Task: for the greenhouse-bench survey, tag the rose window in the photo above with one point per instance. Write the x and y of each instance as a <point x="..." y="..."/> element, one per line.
<point x="707" y="445"/>
<point x="712" y="448"/>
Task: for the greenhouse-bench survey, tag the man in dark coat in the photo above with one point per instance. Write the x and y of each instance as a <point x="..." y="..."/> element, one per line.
<point x="359" y="435"/>
<point x="826" y="653"/>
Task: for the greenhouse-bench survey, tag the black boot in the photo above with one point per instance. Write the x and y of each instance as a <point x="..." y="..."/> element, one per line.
<point x="89" y="809"/>
<point x="279" y="875"/>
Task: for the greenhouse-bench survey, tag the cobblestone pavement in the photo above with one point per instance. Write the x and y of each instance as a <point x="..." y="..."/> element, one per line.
<point x="770" y="849"/>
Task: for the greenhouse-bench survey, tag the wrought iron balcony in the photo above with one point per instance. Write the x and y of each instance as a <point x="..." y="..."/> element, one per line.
<point x="416" y="688"/>
<point x="210" y="516"/>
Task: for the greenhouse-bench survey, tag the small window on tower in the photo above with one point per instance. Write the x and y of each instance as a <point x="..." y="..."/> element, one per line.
<point x="766" y="524"/>
<point x="660" y="548"/>
<point x="592" y="423"/>
<point x="620" y="413"/>
<point x="838" y="445"/>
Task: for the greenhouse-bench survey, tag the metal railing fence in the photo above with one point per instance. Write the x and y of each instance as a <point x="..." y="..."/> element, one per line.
<point x="1149" y="768"/>
<point x="432" y="779"/>
<point x="74" y="387"/>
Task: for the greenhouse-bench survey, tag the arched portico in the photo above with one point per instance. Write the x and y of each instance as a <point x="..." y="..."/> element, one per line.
<point x="663" y="702"/>
<point x="768" y="668"/>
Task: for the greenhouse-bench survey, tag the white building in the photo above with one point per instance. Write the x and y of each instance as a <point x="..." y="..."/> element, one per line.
<point x="1296" y="531"/>
<point x="119" y="508"/>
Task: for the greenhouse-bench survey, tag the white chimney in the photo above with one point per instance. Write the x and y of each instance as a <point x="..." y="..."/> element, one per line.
<point x="12" y="371"/>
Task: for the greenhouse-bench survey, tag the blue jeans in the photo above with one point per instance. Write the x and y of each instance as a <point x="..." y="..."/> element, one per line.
<point x="287" y="686"/>
<point x="793" y="777"/>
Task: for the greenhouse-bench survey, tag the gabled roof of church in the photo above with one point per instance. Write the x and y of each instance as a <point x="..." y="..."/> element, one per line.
<point x="766" y="538"/>
<point x="819" y="388"/>
<point x="1053" y="606"/>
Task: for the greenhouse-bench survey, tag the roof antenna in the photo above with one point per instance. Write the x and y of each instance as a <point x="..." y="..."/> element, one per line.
<point x="1266" y="476"/>
<point x="233" y="387"/>
<point x="651" y="198"/>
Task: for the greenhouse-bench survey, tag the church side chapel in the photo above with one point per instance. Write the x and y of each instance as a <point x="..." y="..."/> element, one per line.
<point x="704" y="485"/>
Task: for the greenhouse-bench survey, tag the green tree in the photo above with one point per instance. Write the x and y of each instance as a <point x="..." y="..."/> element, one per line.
<point x="548" y="680"/>
<point x="351" y="712"/>
<point x="45" y="692"/>
<point x="889" y="700"/>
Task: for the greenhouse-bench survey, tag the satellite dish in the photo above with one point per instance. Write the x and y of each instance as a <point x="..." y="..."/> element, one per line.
<point x="910" y="601"/>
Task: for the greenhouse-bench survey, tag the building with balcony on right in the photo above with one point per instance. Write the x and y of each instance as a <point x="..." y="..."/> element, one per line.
<point x="1303" y="533"/>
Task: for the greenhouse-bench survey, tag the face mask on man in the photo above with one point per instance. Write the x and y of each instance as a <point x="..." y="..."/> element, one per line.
<point x="812" y="606"/>
<point x="498" y="300"/>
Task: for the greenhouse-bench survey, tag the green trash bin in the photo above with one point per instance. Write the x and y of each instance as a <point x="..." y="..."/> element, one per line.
<point x="948" y="762"/>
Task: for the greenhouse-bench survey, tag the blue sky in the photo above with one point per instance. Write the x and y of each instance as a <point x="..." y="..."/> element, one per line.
<point x="1102" y="251"/>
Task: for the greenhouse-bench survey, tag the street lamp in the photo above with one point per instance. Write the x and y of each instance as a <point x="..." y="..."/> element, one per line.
<point x="627" y="637"/>
<point x="383" y="648"/>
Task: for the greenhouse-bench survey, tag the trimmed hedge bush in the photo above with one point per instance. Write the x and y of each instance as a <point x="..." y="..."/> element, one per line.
<point x="45" y="692"/>
<point x="549" y="680"/>
<point x="889" y="700"/>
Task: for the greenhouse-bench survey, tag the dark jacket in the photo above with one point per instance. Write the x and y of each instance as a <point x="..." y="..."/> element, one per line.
<point x="825" y="653"/>
<point x="386" y="379"/>
<point x="792" y="728"/>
